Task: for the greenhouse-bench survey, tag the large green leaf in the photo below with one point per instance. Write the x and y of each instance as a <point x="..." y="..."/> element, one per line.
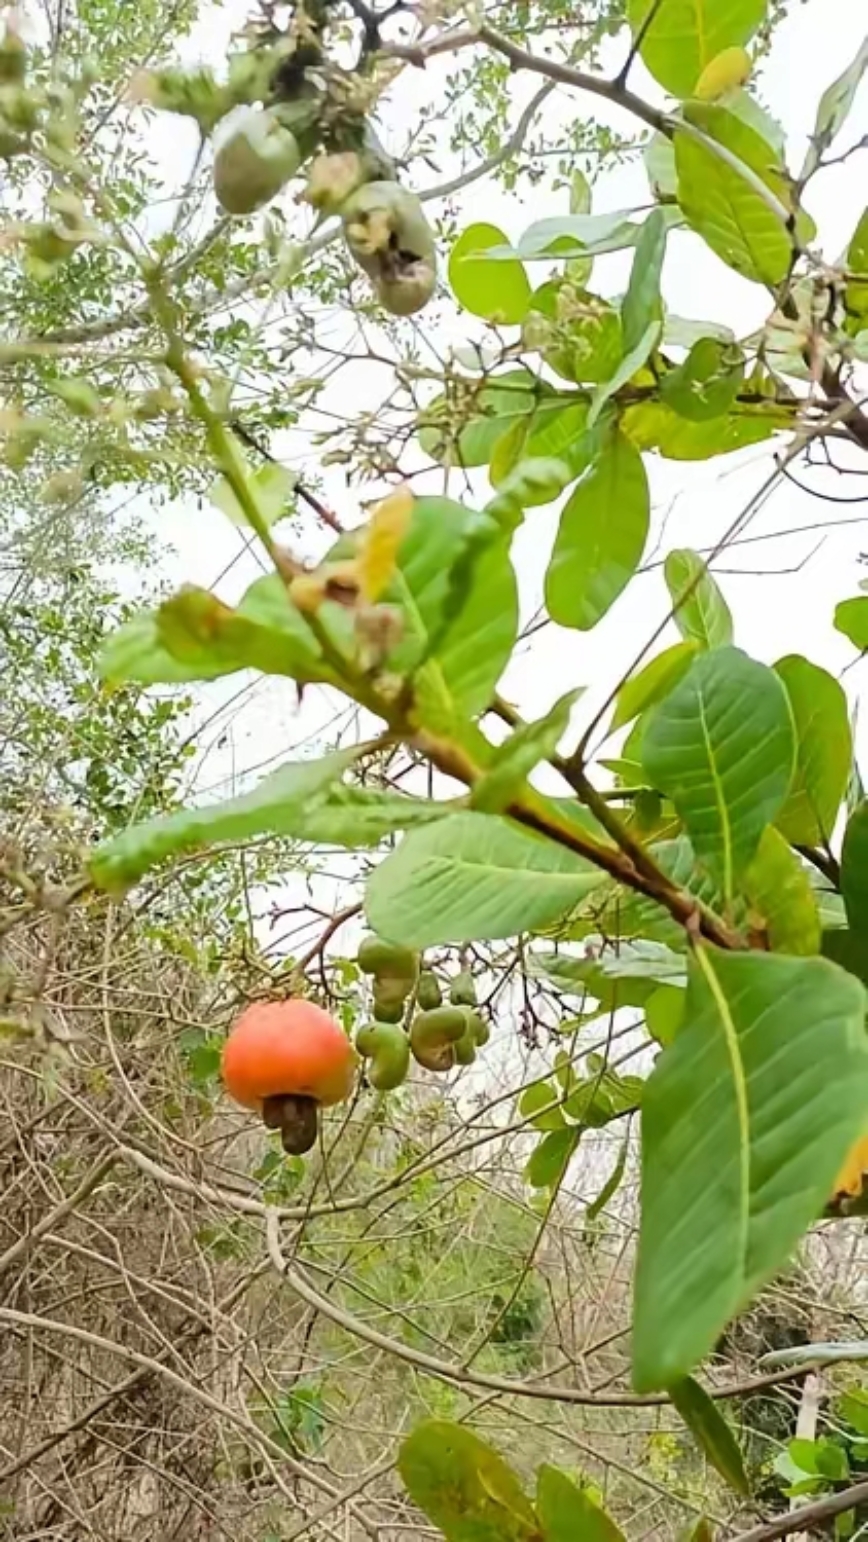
<point x="746" y="1119"/>
<point x="730" y="214"/>
<point x="194" y="636"/>
<point x="701" y="613"/>
<point x="683" y="36"/>
<point x="463" y="1486"/>
<point x="653" y="426"/>
<point x="722" y="747"/>
<point x="750" y="147"/>
<point x="473" y="876"/>
<point x="711" y="1431"/>
<point x="567" y="1513"/>
<point x="781" y="897"/>
<point x="824" y="751"/>
<point x="277" y="806"/>
<point x="642" y="304"/>
<point x="457" y="589"/>
<point x="359" y="817"/>
<point x="602" y="535"/>
<point x="653" y="682"/>
<point x="497" y="291"/>
<point x="833" y="110"/>
<point x="574" y="235"/>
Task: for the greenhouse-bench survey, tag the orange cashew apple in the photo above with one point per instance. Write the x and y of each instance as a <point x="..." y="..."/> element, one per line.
<point x="284" y="1059"/>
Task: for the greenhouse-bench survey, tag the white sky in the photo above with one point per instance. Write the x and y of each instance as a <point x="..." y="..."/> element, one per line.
<point x="776" y="612"/>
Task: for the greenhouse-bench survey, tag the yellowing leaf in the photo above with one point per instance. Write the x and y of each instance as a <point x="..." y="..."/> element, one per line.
<point x="851" y="1178"/>
<point x="381" y="542"/>
<point x="727" y="71"/>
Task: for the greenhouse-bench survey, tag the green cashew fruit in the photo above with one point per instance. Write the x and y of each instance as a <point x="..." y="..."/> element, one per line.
<point x="387" y="1050"/>
<point x="479" y="1028"/>
<point x="254" y="160"/>
<point x="388" y="235"/>
<point x="465" y="1049"/>
<point x="389" y="1004"/>
<point x="462" y="991"/>
<point x="434" y="1036"/>
<point x="428" y="994"/>
<point x="387" y="962"/>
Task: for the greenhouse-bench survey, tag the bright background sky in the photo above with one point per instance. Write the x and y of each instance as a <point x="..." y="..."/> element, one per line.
<point x="777" y="610"/>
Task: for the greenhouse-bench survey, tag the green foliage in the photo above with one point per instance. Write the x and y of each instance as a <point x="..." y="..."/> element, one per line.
<point x="691" y="879"/>
<point x="711" y="1431"/>
<point x="736" y="1162"/>
<point x="498" y="291"/>
<point x="721" y="746"/>
<point x="681" y="39"/>
<point x="602" y="535"/>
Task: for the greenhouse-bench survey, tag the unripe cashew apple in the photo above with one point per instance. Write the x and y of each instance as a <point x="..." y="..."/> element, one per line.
<point x="387" y="1050"/>
<point x="387" y="960"/>
<point x="284" y="1059"/>
<point x="429" y="995"/>
<point x="254" y="157"/>
<point x="434" y="1036"/>
<point x="462" y="992"/>
<point x="388" y="235"/>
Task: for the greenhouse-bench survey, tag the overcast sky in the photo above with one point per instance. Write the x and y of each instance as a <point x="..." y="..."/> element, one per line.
<point x="777" y="610"/>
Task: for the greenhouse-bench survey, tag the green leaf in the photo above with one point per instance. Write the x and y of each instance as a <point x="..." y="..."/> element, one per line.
<point x="497" y="291"/>
<point x="711" y="1431"/>
<point x="721" y="746"/>
<point x="473" y="877"/>
<point x="359" y="817"/>
<point x="602" y="535"/>
<point x="272" y="486"/>
<point x="542" y="1096"/>
<point x="742" y="139"/>
<point x="642" y="304"/>
<point x="612" y="1183"/>
<point x="854" y="873"/>
<point x="851" y="618"/>
<point x="701" y="613"/>
<point x="567" y="1513"/>
<point x="194" y="636"/>
<point x="277" y="805"/>
<point x="513" y="761"/>
<point x="576" y="235"/>
<point x="730" y="214"/>
<point x="781" y="897"/>
<point x="664" y="1013"/>
<point x="707" y="383"/>
<point x="833" y="110"/>
<point x="551" y="1157"/>
<point x="824" y="750"/>
<point x="463" y="1486"/>
<point x="651" y="425"/>
<point x="457" y="589"/>
<point x="746" y="1120"/>
<point x="683" y="36"/>
<point x="653" y="682"/>
<point x="628" y="367"/>
<point x="622" y="977"/>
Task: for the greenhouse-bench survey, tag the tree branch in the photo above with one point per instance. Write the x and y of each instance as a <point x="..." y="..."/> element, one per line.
<point x="807" y="1517"/>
